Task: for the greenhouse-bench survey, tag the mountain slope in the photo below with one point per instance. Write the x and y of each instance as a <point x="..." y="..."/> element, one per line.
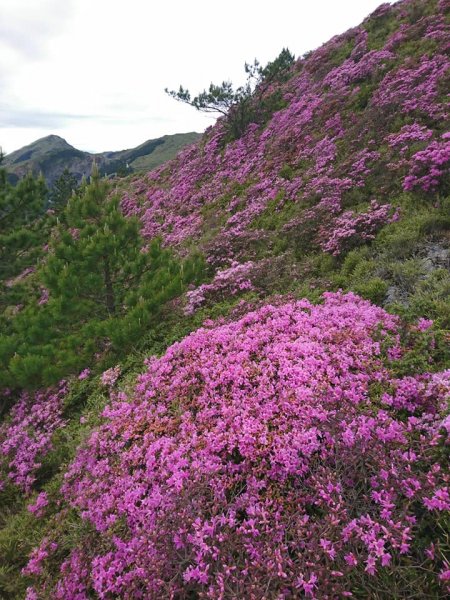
<point x="365" y="120"/>
<point x="280" y="430"/>
<point x="52" y="154"/>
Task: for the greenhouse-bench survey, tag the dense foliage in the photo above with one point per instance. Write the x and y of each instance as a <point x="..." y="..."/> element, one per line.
<point x="274" y="424"/>
<point x="23" y="231"/>
<point x="62" y="189"/>
<point x="272" y="453"/>
<point x="100" y="287"/>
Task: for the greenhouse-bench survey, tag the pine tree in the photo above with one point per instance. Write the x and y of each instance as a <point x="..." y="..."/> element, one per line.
<point x="63" y="188"/>
<point x="24" y="227"/>
<point x="92" y="252"/>
<point x="246" y="104"/>
<point x="105" y="287"/>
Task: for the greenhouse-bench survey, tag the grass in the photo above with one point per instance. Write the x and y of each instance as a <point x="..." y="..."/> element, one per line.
<point x="164" y="152"/>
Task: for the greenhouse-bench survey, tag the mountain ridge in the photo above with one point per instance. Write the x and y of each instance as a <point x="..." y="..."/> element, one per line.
<point x="51" y="154"/>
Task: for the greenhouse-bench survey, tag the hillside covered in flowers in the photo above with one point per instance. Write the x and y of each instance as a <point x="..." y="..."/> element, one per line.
<point x="230" y="377"/>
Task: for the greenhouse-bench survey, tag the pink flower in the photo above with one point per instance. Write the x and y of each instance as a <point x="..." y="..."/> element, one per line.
<point x="350" y="559"/>
<point x="27" y="436"/>
<point x="31" y="594"/>
<point x="44" y="296"/>
<point x="424" y="324"/>
<point x="84" y="374"/>
<point x="439" y="501"/>
<point x="39" y="505"/>
<point x="110" y="376"/>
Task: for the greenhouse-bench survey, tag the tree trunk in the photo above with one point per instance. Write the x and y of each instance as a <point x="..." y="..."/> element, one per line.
<point x="109" y="291"/>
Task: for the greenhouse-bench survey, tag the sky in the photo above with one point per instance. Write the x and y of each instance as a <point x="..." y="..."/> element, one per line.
<point x="94" y="71"/>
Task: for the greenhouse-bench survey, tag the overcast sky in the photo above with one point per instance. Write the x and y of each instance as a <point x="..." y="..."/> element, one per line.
<point x="94" y="71"/>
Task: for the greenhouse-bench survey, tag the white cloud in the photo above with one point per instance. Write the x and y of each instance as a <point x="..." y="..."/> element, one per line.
<point x="99" y="68"/>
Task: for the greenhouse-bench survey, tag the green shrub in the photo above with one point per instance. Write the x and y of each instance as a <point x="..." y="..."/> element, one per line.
<point x="373" y="289"/>
<point x="434" y="224"/>
<point x="286" y="172"/>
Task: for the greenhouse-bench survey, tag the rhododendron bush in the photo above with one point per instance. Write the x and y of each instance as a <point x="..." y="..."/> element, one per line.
<point x="227" y="282"/>
<point x="27" y="437"/>
<point x="349" y="227"/>
<point x="429" y="166"/>
<point x="275" y="456"/>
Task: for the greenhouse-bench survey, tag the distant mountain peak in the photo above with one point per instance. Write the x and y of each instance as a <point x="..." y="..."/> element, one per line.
<point x="52" y="138"/>
<point x="52" y="154"/>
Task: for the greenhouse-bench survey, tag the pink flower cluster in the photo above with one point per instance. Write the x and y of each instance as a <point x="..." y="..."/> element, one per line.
<point x="226" y="283"/>
<point x="430" y="166"/>
<point x="27" y="436"/>
<point x="129" y="206"/>
<point x="31" y="594"/>
<point x="352" y="71"/>
<point x="414" y="88"/>
<point x="109" y="377"/>
<point x="409" y="134"/>
<point x="351" y="227"/>
<point x="255" y="456"/>
<point x="84" y="374"/>
<point x="424" y="324"/>
<point x="38" y="556"/>
<point x="75" y="578"/>
<point x="39" y="506"/>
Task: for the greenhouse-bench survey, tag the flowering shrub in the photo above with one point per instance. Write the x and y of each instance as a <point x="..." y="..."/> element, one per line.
<point x="129" y="206"/>
<point x="414" y="87"/>
<point x="227" y="282"/>
<point x="75" y="581"/>
<point x="38" y="556"/>
<point x="424" y="324"/>
<point x="254" y="456"/>
<point x="280" y="455"/>
<point x="110" y="376"/>
<point x="84" y="374"/>
<point x="408" y="134"/>
<point x="26" y="437"/>
<point x="38" y="508"/>
<point x="31" y="594"/>
<point x="429" y="166"/>
<point x="352" y="70"/>
<point x="351" y="227"/>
